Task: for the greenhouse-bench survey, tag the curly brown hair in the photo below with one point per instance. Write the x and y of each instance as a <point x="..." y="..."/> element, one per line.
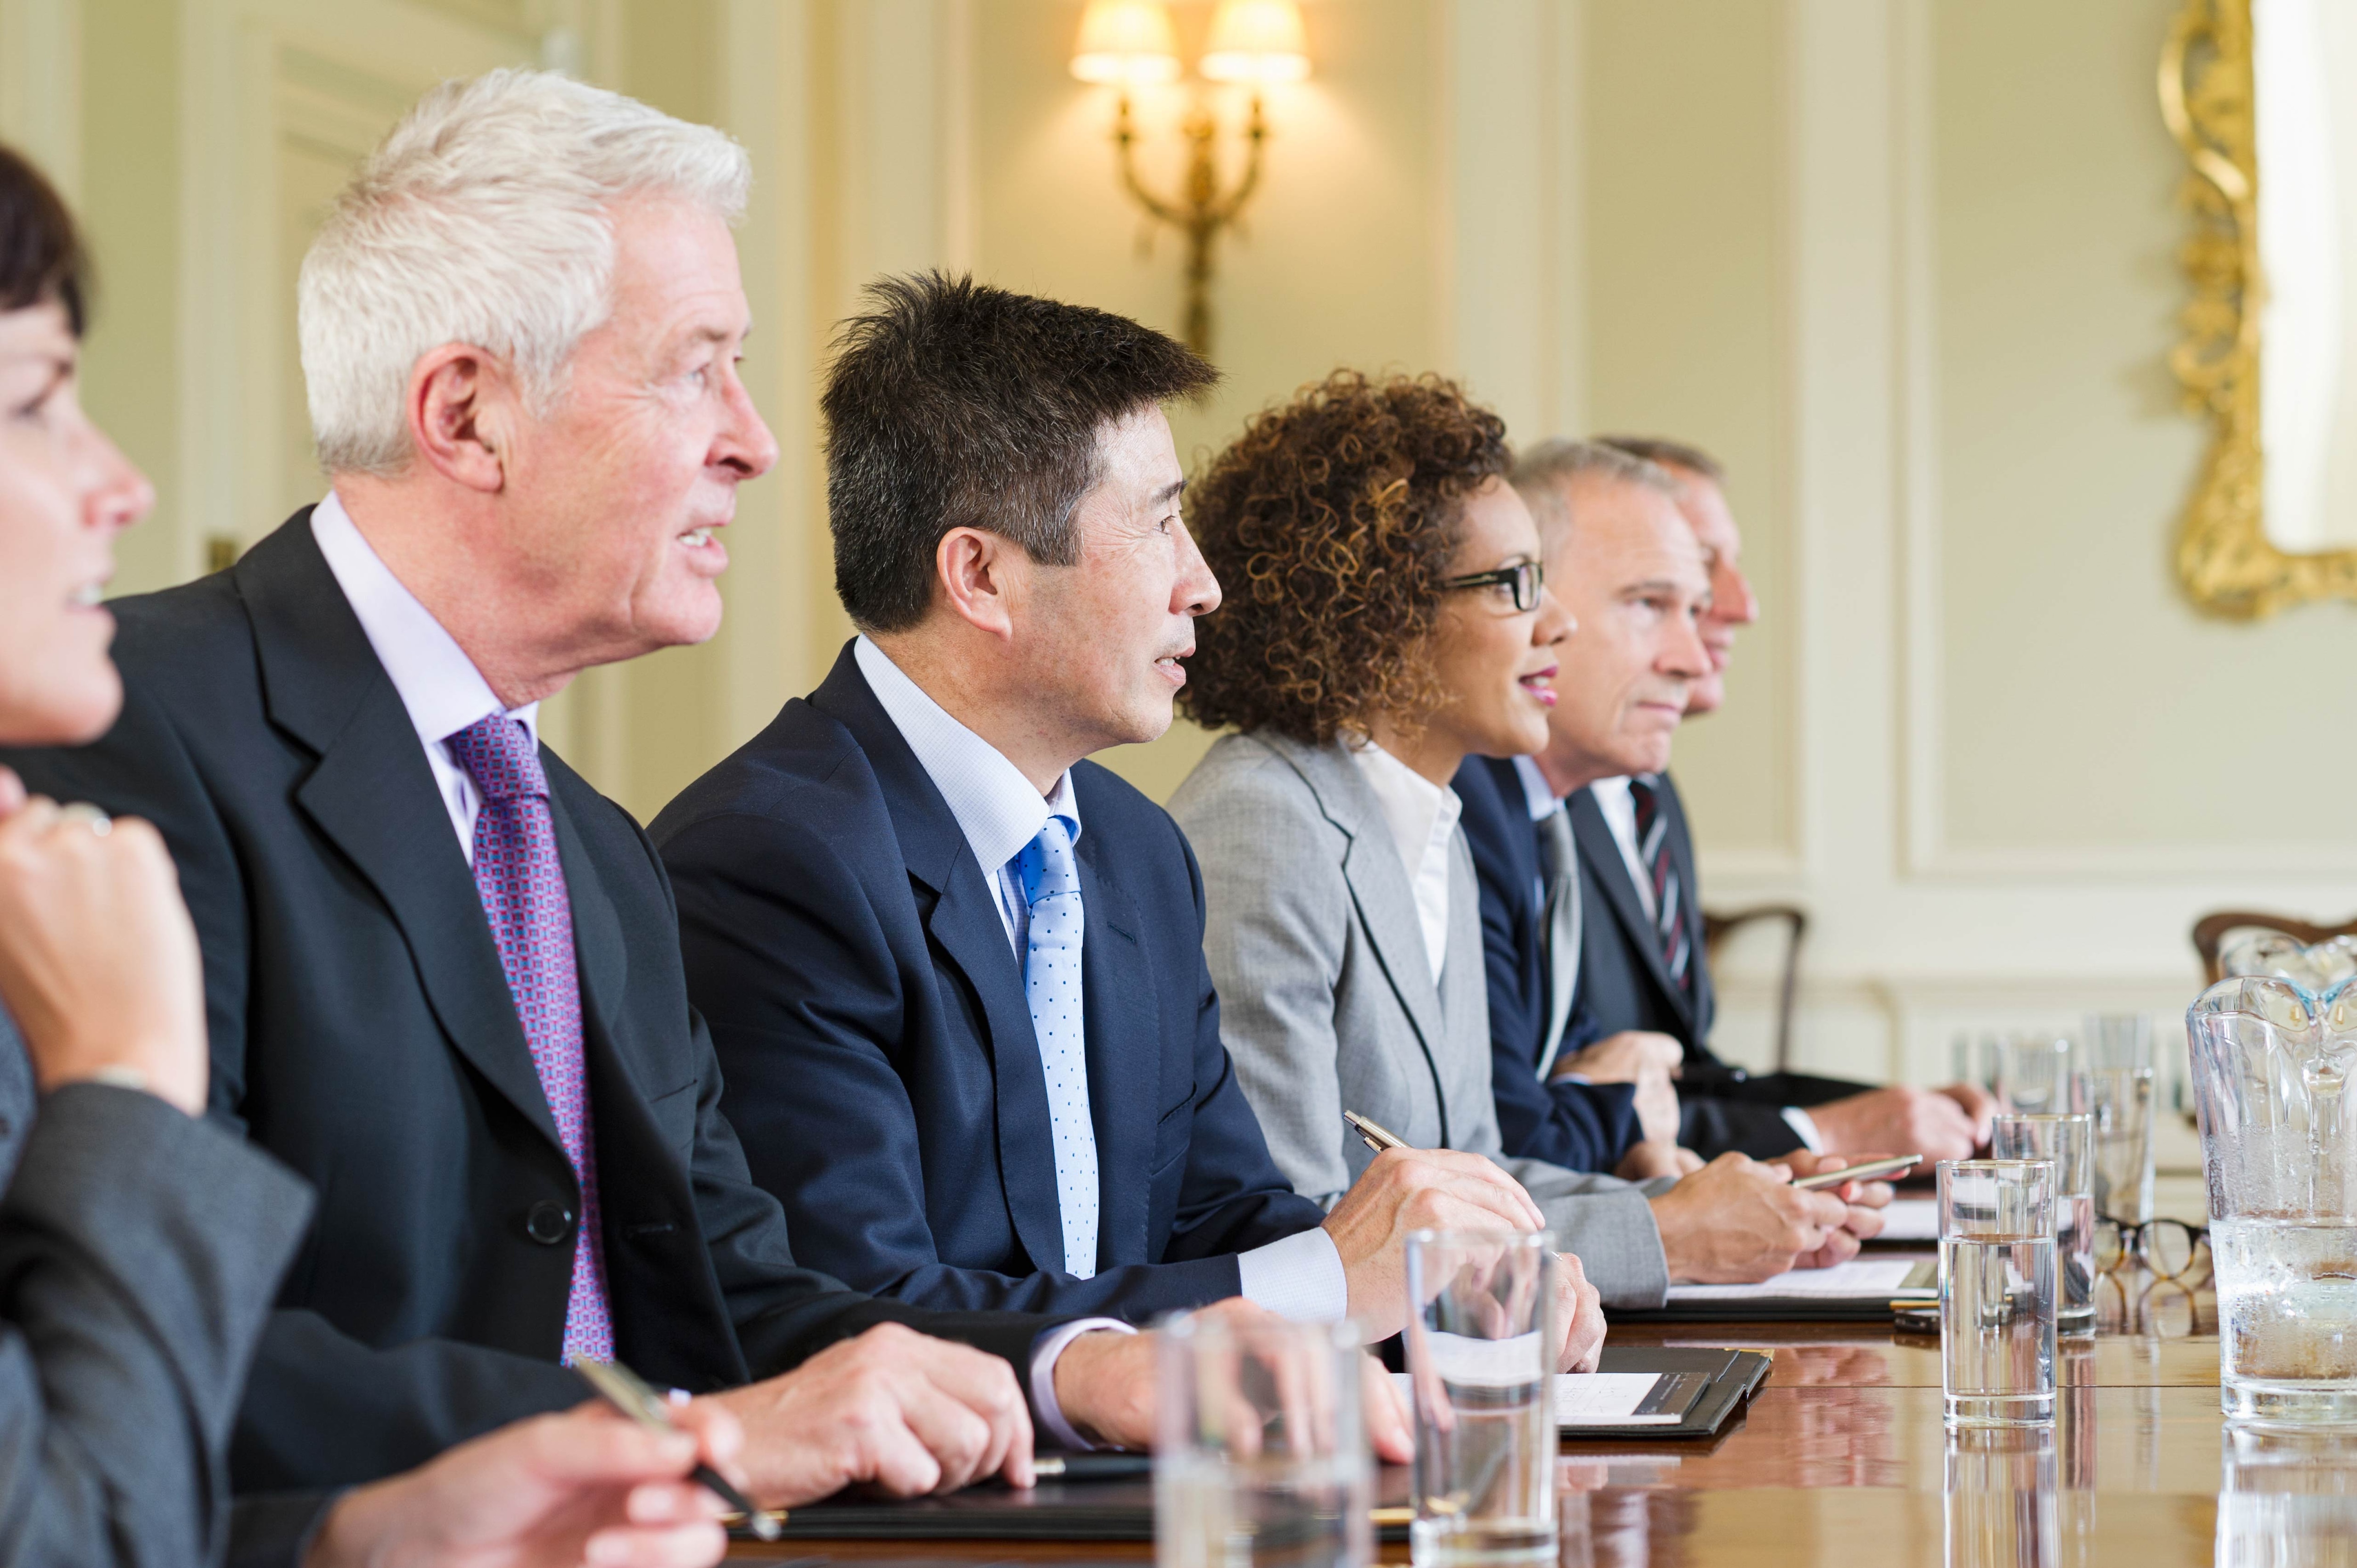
<point x="1330" y="524"/>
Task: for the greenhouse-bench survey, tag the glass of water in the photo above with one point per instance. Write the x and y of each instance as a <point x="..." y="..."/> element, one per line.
<point x="1480" y="1362"/>
<point x="2069" y="1142"/>
<point x="1997" y="1292"/>
<point x="1262" y="1460"/>
<point x="2119" y="1091"/>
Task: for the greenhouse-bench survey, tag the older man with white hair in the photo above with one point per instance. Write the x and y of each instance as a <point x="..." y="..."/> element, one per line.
<point x="443" y="974"/>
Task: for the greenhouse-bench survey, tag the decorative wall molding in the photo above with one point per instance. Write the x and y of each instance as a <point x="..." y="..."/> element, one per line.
<point x="40" y="86"/>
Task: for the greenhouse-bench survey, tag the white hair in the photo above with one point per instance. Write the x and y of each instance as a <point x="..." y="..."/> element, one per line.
<point x="484" y="218"/>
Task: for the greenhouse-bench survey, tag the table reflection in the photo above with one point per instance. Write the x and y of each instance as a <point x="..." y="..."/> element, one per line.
<point x="2002" y="1507"/>
<point x="2286" y="1498"/>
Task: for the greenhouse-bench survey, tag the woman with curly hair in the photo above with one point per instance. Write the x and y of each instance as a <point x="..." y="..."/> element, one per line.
<point x="1386" y="618"/>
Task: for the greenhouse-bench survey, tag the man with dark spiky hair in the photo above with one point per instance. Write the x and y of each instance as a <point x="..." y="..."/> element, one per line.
<point x="955" y="971"/>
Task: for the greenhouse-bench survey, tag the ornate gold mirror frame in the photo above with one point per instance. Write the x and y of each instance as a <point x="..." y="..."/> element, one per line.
<point x="2224" y="555"/>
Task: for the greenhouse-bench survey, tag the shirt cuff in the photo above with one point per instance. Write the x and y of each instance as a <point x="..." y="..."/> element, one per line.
<point x="1802" y="1122"/>
<point x="1299" y="1278"/>
<point x="1044" y="1351"/>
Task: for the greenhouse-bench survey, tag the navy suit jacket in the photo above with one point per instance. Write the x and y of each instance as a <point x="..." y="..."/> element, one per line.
<point x="1580" y="1126"/>
<point x="868" y="1009"/>
<point x="1626" y="983"/>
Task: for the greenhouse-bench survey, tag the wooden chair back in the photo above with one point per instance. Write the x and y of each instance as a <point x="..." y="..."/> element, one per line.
<point x="1717" y="929"/>
<point x="2210" y="933"/>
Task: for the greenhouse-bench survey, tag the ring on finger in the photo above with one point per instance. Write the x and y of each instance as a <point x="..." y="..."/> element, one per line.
<point x="90" y="816"/>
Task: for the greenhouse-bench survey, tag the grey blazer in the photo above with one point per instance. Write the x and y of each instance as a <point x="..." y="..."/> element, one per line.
<point x="140" y="1251"/>
<point x="1327" y="1000"/>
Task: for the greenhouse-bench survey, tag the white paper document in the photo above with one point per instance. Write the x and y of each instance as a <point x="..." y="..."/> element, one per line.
<point x="1860" y="1277"/>
<point x="1910" y="1219"/>
<point x="1592" y="1398"/>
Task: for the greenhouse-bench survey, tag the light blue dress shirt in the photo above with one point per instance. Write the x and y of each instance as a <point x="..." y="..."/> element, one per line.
<point x="999" y="812"/>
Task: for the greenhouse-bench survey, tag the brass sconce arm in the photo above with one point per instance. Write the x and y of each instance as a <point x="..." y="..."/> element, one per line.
<point x="1201" y="212"/>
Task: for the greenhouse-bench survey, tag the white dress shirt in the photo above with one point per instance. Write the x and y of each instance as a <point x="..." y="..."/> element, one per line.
<point x="1000" y="812"/>
<point x="1422" y="817"/>
<point x="436" y="681"/>
<point x="1619" y="810"/>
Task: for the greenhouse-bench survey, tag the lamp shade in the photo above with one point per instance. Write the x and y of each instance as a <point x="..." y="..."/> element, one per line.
<point x="1256" y="40"/>
<point x="1126" y="41"/>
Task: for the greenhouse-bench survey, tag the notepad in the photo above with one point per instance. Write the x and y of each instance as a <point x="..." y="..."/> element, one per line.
<point x="1910" y="1219"/>
<point x="1615" y="1398"/>
<point x="1869" y="1278"/>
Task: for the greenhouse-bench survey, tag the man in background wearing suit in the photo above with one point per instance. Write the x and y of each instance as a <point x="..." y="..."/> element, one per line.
<point x="954" y="972"/>
<point x="1936" y="1122"/>
<point x="1642" y="966"/>
<point x="442" y="972"/>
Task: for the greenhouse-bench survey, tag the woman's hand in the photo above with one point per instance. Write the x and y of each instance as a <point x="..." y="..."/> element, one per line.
<point x="99" y="964"/>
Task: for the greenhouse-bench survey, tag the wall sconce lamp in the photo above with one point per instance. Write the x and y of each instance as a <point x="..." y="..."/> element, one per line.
<point x="1131" y="43"/>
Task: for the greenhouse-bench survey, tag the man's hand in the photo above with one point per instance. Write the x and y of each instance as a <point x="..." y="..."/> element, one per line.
<point x="588" y="1487"/>
<point x="1106" y="1387"/>
<point x="1978" y="1103"/>
<point x="1649" y="1061"/>
<point x="1416" y="1189"/>
<point x="1904" y="1121"/>
<point x="1866" y="1199"/>
<point x="1579" y="1316"/>
<point x="98" y="959"/>
<point x="1649" y="1161"/>
<point x="1736" y="1221"/>
<point x="902" y="1410"/>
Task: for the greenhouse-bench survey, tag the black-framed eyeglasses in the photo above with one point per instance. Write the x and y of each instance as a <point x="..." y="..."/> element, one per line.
<point x="1525" y="579"/>
<point x="2167" y="1248"/>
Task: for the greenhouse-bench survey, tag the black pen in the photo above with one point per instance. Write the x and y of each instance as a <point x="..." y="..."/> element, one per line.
<point x="628" y="1392"/>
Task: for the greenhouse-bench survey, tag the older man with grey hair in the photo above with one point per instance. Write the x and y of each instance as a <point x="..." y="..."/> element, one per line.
<point x="443" y="974"/>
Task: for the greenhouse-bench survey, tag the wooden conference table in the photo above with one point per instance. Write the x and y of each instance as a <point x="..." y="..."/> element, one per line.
<point x="1841" y="1459"/>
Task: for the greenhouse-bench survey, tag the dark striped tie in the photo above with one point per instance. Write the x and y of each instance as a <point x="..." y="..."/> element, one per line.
<point x="1669" y="891"/>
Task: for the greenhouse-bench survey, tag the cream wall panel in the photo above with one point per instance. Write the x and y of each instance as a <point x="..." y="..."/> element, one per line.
<point x="1687" y="264"/>
<point x="40" y="86"/>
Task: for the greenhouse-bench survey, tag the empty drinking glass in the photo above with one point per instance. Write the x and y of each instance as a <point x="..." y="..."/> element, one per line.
<point x="1481" y="1362"/>
<point x="2120" y="1094"/>
<point x="2030" y="1071"/>
<point x="1262" y="1460"/>
<point x="2069" y="1142"/>
<point x="1997" y="1292"/>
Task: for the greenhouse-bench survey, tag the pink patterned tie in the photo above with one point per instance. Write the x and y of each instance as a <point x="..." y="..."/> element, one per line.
<point x="522" y="885"/>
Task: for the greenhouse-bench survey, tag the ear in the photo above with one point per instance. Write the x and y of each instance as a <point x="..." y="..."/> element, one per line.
<point x="464" y="407"/>
<point x="981" y="577"/>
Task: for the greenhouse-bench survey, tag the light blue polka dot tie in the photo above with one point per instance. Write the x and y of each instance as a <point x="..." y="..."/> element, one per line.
<point x="1051" y="984"/>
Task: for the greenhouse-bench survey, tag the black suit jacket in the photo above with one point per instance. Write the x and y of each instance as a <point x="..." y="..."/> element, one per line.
<point x="1580" y="1126"/>
<point x="363" y="1032"/>
<point x="1626" y="983"/>
<point x="882" y="1070"/>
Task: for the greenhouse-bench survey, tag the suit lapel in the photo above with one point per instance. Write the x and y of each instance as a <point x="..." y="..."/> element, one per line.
<point x="960" y="909"/>
<point x="1379" y="884"/>
<point x="1125" y="1052"/>
<point x="373" y="797"/>
<point x="1601" y="854"/>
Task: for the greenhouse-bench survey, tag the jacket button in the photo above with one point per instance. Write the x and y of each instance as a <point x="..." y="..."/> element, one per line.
<point x="548" y="1223"/>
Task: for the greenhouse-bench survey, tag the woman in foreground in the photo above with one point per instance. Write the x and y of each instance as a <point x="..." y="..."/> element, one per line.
<point x="143" y="1245"/>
